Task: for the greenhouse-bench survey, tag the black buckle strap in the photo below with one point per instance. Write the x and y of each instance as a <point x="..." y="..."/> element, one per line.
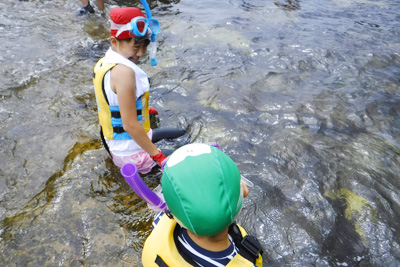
<point x="118" y="129"/>
<point x="160" y="262"/>
<point x="116" y="114"/>
<point x="250" y="248"/>
<point x="169" y="214"/>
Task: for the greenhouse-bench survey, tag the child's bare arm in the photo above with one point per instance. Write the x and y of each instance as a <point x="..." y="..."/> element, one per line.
<point x="123" y="81"/>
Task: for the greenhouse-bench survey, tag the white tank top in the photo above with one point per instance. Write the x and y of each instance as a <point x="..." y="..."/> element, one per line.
<point x="124" y="147"/>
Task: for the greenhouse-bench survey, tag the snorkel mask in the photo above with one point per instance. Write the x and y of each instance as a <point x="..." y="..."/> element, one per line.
<point x="141" y="27"/>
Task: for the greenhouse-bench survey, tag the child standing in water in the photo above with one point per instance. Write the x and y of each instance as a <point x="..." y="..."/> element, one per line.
<point x="87" y="8"/>
<point x="122" y="93"/>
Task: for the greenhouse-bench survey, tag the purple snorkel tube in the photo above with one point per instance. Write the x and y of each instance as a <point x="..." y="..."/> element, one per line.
<point x="131" y="175"/>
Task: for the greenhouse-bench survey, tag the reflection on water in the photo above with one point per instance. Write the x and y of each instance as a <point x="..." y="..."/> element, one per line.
<point x="304" y="96"/>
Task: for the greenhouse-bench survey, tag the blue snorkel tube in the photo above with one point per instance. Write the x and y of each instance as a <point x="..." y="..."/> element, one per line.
<point x="153" y="45"/>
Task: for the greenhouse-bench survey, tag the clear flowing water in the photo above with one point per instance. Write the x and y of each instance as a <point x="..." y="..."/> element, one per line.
<point x="304" y="96"/>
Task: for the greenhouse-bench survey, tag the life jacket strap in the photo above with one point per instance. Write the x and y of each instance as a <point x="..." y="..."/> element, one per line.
<point x="160" y="262"/>
<point x="117" y="114"/>
<point x="249" y="246"/>
<point x="104" y="142"/>
<point x="118" y="129"/>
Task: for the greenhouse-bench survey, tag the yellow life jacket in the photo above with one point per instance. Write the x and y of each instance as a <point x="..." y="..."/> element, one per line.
<point x="160" y="249"/>
<point x="109" y="116"/>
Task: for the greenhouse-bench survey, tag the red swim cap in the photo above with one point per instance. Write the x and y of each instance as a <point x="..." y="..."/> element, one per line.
<point x="121" y="16"/>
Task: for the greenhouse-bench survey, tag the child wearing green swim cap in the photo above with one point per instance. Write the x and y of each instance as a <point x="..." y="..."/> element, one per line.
<point x="203" y="190"/>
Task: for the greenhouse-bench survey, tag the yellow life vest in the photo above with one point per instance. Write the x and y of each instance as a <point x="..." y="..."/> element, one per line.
<point x="160" y="249"/>
<point x="107" y="113"/>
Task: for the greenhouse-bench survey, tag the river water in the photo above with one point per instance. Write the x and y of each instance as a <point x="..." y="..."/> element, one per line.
<point x="304" y="96"/>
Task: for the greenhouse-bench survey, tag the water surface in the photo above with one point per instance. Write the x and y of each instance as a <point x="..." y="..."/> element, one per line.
<point x="304" y="96"/>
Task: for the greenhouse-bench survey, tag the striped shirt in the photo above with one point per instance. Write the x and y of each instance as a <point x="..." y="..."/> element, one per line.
<point x="204" y="257"/>
<point x="201" y="256"/>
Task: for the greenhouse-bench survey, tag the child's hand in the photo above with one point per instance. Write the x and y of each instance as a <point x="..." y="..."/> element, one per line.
<point x="160" y="157"/>
<point x="163" y="163"/>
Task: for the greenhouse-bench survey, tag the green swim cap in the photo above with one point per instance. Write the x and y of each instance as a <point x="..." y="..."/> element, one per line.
<point x="201" y="186"/>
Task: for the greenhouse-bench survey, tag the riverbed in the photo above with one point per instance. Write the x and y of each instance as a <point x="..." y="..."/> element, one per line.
<point x="303" y="96"/>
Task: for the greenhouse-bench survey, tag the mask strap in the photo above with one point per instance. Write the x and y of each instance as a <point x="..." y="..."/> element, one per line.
<point x="122" y="29"/>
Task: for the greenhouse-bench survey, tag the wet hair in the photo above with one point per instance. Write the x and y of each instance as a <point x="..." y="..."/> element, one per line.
<point x="146" y="41"/>
<point x="139" y="40"/>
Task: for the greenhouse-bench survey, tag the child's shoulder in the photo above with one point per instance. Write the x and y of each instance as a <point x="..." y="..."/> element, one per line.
<point x="121" y="71"/>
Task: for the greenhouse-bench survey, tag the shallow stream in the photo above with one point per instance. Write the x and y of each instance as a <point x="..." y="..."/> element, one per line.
<point x="304" y="96"/>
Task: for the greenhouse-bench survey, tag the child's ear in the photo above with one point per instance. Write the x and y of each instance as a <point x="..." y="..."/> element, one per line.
<point x="113" y="40"/>
<point x="245" y="189"/>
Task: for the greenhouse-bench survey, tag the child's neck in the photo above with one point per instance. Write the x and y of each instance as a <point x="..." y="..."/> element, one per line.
<point x="215" y="243"/>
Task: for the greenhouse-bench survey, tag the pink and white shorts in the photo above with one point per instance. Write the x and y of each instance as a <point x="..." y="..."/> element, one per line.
<point x="142" y="161"/>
